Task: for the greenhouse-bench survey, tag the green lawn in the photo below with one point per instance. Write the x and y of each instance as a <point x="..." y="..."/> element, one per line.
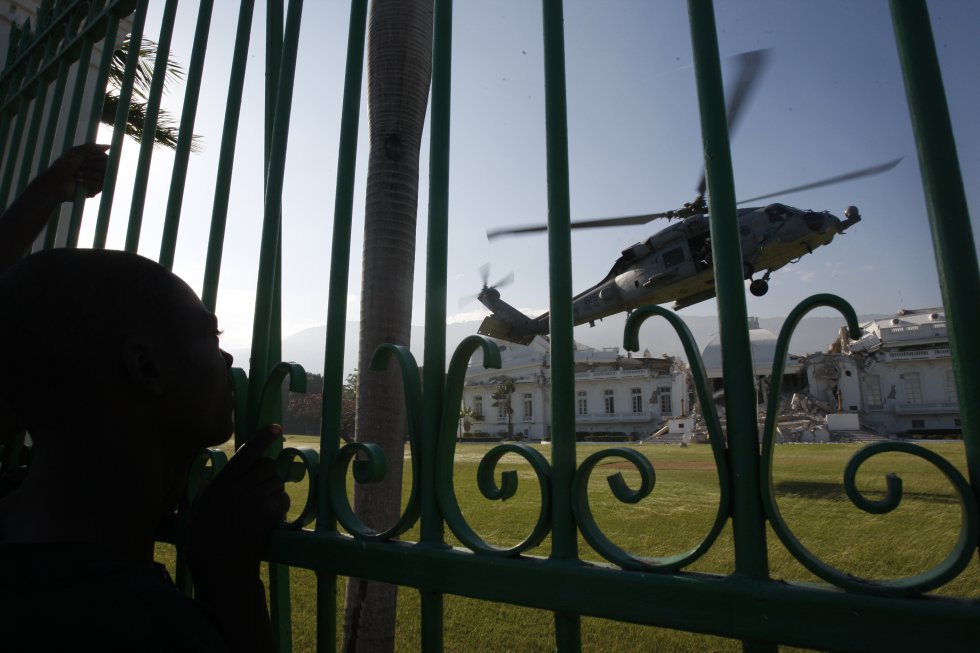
<point x="676" y="516"/>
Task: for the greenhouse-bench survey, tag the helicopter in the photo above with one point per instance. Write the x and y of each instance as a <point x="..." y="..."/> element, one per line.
<point x="676" y="262"/>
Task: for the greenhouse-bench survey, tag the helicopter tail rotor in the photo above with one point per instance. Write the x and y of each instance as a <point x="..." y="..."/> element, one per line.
<point x="506" y="280"/>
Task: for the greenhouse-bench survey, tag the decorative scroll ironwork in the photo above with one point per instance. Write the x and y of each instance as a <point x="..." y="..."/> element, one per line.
<point x="205" y="466"/>
<point x="580" y="506"/>
<point x="956" y="560"/>
<point x="766" y="610"/>
<point x="290" y="470"/>
<point x="485" y="473"/>
<point x="371" y="467"/>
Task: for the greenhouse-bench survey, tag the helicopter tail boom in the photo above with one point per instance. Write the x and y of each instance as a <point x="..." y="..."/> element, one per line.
<point x="508" y="323"/>
<point x="503" y="330"/>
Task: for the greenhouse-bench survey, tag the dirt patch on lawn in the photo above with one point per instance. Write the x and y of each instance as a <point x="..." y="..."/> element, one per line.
<point x="662" y="465"/>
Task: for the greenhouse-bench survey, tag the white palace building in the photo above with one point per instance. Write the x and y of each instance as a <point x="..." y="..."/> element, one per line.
<point x="896" y="379"/>
<point x="617" y="396"/>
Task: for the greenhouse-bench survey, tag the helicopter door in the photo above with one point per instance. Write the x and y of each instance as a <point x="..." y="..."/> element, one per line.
<point x="700" y="247"/>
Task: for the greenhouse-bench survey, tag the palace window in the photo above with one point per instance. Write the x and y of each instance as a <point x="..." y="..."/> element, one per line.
<point x="478" y="406"/>
<point x="666" y="405"/>
<point x="583" y="402"/>
<point x="951" y="387"/>
<point x="913" y="388"/>
<point x="636" y="396"/>
<point x="871" y="385"/>
<point x="528" y="407"/>
<point x="608" y="399"/>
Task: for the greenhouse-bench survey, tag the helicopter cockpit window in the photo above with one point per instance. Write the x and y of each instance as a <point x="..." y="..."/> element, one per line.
<point x="778" y="212"/>
<point x="673" y="257"/>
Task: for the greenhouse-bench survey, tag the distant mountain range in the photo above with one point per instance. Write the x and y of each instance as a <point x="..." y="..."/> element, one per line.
<point x="813" y="334"/>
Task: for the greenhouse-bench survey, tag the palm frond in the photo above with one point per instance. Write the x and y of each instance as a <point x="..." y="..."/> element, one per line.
<point x="166" y="132"/>
<point x="167" y="129"/>
<point x="146" y="60"/>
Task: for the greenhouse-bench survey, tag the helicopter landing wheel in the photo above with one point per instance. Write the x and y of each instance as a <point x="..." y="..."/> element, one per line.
<point x="759" y="287"/>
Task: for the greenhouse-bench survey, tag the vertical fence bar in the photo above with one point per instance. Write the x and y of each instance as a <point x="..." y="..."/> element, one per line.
<point x="30" y="142"/>
<point x="278" y="574"/>
<point x="14" y="96"/>
<point x="437" y="251"/>
<point x="14" y="146"/>
<point x="13" y="150"/>
<point x="949" y="217"/>
<point x="57" y="98"/>
<point x="8" y="91"/>
<point x="40" y="97"/>
<point x="265" y="298"/>
<point x="95" y="111"/>
<point x="333" y="364"/>
<point x="47" y="143"/>
<point x="34" y="128"/>
<point x="568" y="627"/>
<point x="273" y="62"/>
<point x="226" y="157"/>
<point x="743" y="436"/>
<point x="148" y="139"/>
<point x="222" y="186"/>
<point x="119" y="131"/>
<point x="185" y="136"/>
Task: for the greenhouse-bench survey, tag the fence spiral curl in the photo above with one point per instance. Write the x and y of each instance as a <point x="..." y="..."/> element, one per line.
<point x="206" y="464"/>
<point x="583" y="514"/>
<point x="372" y="466"/>
<point x="292" y="465"/>
<point x="486" y="472"/>
<point x="954" y="562"/>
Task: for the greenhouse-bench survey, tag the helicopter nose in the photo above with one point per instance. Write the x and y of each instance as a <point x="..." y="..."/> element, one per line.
<point x="815" y="221"/>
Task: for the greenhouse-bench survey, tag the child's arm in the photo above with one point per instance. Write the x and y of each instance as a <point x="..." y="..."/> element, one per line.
<point x="23" y="220"/>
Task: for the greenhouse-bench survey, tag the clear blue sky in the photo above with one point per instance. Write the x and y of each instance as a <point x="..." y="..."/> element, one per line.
<point x="832" y="101"/>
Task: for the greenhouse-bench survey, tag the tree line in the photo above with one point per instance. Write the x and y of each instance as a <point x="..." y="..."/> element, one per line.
<point x="302" y="412"/>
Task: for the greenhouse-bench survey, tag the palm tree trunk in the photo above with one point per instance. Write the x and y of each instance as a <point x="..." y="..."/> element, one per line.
<point x="399" y="71"/>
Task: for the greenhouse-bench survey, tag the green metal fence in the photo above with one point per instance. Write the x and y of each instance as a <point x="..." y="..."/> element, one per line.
<point x="747" y="604"/>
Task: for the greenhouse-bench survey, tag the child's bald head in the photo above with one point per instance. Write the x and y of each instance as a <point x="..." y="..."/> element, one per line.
<point x="65" y="316"/>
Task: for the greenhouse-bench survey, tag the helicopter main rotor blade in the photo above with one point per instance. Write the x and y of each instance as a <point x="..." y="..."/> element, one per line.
<point x="750" y="66"/>
<point x="581" y="224"/>
<point x="857" y="174"/>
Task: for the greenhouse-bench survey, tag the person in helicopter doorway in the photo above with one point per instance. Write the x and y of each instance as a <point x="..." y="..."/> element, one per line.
<point x="703" y="254"/>
<point x="112" y="365"/>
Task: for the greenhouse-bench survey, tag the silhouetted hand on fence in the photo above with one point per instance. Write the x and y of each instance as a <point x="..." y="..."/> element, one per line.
<point x="82" y="164"/>
<point x="231" y="520"/>
<point x="228" y="535"/>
